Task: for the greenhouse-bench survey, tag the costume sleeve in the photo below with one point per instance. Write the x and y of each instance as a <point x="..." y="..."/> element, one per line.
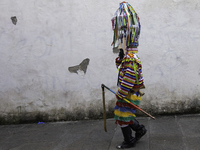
<point x="128" y="81"/>
<point x="140" y="74"/>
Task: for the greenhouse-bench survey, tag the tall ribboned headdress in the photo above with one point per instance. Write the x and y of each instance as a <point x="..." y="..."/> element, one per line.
<point x="126" y="25"/>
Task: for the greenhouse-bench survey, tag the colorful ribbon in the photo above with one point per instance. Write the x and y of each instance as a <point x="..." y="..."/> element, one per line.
<point x="125" y="23"/>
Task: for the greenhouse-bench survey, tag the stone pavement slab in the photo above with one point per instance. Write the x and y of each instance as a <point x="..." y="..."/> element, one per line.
<point x="178" y="132"/>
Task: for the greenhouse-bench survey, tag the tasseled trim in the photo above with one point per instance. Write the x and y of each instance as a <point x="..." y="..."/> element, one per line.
<point x="123" y="114"/>
<point x="123" y="123"/>
<point x="127" y="119"/>
<point x="125" y="105"/>
<point x="132" y="98"/>
<point x="125" y="109"/>
<point x="126" y="23"/>
<point x="132" y="49"/>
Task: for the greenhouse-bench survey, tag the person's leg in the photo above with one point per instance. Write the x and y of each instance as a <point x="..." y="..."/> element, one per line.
<point x="129" y="141"/>
<point x="139" y="129"/>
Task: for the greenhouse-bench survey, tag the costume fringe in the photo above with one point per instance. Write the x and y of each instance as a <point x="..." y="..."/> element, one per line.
<point x="125" y="112"/>
<point x="123" y="123"/>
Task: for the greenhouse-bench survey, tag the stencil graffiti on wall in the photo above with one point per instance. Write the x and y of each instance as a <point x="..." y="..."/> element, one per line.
<point x="81" y="67"/>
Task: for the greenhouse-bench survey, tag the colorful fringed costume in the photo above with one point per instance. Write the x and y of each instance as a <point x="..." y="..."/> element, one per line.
<point x="128" y="81"/>
<point x="126" y="27"/>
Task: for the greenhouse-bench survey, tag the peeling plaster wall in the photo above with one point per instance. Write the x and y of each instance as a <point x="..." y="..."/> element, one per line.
<point x="56" y="54"/>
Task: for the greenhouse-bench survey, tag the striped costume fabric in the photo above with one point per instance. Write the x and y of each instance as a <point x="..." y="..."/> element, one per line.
<point x="123" y="111"/>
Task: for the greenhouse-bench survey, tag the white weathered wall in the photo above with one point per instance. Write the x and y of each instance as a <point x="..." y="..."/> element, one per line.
<point x="52" y="35"/>
<point x="169" y="47"/>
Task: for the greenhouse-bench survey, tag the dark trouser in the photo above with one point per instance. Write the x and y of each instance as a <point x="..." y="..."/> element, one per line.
<point x="129" y="141"/>
<point x="139" y="129"/>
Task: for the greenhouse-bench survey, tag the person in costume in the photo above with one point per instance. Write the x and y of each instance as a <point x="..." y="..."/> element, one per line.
<point x="126" y="27"/>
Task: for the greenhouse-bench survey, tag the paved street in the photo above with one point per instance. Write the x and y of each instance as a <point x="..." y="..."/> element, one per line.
<point x="181" y="132"/>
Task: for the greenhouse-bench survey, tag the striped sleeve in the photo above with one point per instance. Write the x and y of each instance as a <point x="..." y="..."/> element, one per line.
<point x="127" y="76"/>
<point x="127" y="82"/>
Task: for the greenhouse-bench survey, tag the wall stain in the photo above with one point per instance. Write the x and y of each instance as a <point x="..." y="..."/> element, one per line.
<point x="95" y="111"/>
<point x="14" y="20"/>
<point x="82" y="66"/>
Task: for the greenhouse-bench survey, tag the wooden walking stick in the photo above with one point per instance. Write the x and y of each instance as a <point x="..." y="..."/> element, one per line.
<point x="104" y="108"/>
<point x="130" y="103"/>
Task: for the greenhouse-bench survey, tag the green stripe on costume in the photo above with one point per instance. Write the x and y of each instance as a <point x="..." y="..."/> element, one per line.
<point x="123" y="114"/>
<point x="135" y="102"/>
<point x="125" y="119"/>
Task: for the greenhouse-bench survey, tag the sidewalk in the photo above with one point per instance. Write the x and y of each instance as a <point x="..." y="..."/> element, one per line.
<point x="165" y="133"/>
